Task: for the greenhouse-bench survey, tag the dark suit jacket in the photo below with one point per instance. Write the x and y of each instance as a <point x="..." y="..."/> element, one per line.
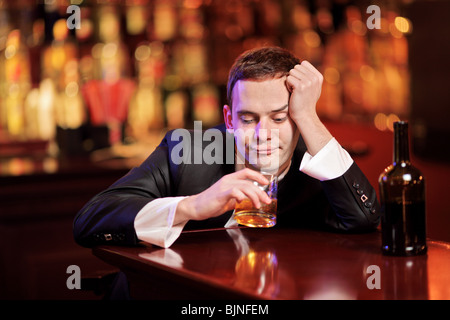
<point x="347" y="203"/>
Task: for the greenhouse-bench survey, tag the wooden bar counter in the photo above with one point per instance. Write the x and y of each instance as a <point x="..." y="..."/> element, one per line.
<point x="275" y="263"/>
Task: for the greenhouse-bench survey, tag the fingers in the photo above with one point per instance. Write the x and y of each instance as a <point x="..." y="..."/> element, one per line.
<point x="308" y="66"/>
<point x="306" y="73"/>
<point x="223" y="195"/>
<point x="292" y="81"/>
<point x="305" y="85"/>
<point x="252" y="175"/>
<point x="246" y="187"/>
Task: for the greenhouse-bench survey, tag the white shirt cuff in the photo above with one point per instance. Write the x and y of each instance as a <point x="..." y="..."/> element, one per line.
<point x="154" y="222"/>
<point x="330" y="162"/>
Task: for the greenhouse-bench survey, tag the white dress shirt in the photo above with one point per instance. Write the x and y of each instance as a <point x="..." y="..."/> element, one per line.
<point x="154" y="222"/>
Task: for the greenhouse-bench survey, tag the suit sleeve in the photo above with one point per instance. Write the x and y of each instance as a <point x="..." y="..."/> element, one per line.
<point x="354" y="203"/>
<point x="109" y="216"/>
<point x="353" y="200"/>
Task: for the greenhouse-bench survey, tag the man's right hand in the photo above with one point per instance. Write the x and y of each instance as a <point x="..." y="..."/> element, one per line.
<point x="223" y="196"/>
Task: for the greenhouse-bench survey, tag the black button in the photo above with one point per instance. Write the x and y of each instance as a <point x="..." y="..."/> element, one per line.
<point x="355" y="185"/>
<point x="360" y="191"/>
<point x="368" y="204"/>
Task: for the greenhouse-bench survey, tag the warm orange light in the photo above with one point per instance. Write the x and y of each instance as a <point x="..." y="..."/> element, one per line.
<point x="332" y="75"/>
<point x="403" y="24"/>
<point x="385" y="122"/>
<point x="192" y="4"/>
<point x="380" y="121"/>
<point x="367" y="73"/>
<point x="390" y="121"/>
<point x="312" y="39"/>
<point x="60" y="30"/>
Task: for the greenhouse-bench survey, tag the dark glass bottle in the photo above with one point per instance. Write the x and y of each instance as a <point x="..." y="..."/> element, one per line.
<point x="402" y="197"/>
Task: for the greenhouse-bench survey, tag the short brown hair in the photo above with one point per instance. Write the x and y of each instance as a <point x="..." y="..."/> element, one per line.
<point x="260" y="64"/>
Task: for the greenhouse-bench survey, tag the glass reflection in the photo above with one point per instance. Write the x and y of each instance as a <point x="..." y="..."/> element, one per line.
<point x="256" y="270"/>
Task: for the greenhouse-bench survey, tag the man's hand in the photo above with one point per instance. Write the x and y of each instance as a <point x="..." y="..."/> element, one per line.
<point x="305" y="84"/>
<point x="223" y="196"/>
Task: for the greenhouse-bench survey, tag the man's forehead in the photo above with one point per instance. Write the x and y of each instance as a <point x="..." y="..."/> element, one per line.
<point x="270" y="94"/>
<point x="242" y="109"/>
<point x="269" y="80"/>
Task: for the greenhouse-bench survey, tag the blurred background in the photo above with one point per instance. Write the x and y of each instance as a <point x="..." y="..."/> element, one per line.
<point x="80" y="106"/>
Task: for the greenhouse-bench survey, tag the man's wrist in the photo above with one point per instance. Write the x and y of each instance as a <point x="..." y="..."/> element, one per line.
<point x="314" y="133"/>
<point x="305" y="116"/>
<point x="184" y="210"/>
<point x="331" y="162"/>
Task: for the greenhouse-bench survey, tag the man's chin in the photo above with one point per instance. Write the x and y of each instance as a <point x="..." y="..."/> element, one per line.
<point x="267" y="164"/>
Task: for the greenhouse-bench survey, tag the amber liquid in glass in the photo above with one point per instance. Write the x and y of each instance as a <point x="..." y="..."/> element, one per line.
<point x="264" y="217"/>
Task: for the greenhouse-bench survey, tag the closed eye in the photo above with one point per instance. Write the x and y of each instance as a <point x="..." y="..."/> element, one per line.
<point x="247" y="119"/>
<point x="279" y="117"/>
<point x="280" y="120"/>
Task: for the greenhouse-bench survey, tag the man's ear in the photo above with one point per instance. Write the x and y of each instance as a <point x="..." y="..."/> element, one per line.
<point x="227" y="116"/>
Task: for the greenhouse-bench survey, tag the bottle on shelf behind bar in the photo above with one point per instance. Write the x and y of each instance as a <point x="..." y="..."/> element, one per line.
<point x="402" y="197"/>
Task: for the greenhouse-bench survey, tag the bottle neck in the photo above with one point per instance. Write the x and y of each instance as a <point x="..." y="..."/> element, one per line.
<point x="401" y="142"/>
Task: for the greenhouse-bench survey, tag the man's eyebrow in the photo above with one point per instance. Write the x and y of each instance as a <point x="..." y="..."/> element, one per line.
<point x="280" y="109"/>
<point x="255" y="113"/>
<point x="246" y="112"/>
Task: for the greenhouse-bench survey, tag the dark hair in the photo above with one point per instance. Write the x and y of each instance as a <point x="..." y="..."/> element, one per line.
<point x="260" y="64"/>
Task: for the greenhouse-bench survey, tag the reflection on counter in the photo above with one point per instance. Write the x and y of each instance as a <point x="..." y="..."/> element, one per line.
<point x="258" y="272"/>
<point x="405" y="278"/>
<point x="278" y="263"/>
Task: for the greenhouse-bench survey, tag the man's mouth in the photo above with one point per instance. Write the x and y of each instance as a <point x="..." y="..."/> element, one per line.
<point x="263" y="150"/>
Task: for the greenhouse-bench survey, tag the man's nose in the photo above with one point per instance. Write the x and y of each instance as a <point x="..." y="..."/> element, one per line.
<point x="263" y="131"/>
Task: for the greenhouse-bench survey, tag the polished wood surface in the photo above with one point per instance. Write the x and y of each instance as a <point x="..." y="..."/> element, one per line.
<point x="280" y="264"/>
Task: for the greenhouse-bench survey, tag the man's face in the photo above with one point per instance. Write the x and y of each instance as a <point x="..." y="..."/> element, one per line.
<point x="265" y="134"/>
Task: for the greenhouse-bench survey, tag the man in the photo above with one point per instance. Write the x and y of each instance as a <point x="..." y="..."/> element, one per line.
<point x="272" y="116"/>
